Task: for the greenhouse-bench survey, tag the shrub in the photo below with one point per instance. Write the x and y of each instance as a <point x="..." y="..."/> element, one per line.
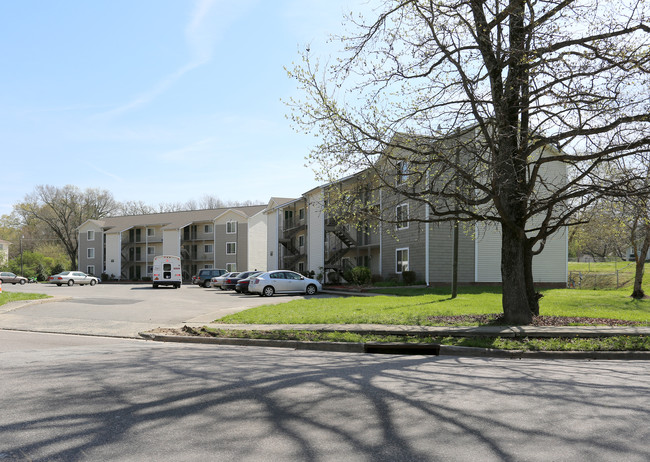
<point x="359" y="275"/>
<point x="104" y="277"/>
<point x="58" y="268"/>
<point x="333" y="277"/>
<point x="408" y="277"/>
<point x="375" y="278"/>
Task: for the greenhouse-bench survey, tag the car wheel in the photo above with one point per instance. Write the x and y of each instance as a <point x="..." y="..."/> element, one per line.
<point x="93" y="282"/>
<point x="71" y="282"/>
<point x="22" y="282"/>
<point x="311" y="289"/>
<point x="155" y="285"/>
<point x="206" y="284"/>
<point x="268" y="291"/>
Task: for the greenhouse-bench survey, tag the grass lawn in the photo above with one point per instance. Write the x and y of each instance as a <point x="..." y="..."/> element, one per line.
<point x="422" y="304"/>
<point x="6" y="297"/>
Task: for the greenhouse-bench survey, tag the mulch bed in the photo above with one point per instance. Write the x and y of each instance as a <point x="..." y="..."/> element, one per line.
<point x="550" y="321"/>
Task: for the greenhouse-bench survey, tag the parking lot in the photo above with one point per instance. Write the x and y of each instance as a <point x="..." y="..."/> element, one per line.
<point x="123" y="310"/>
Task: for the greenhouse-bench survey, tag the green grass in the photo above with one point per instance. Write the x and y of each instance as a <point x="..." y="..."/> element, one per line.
<point x="416" y="309"/>
<point x="619" y="343"/>
<point x="6" y="297"/>
<point x="602" y="267"/>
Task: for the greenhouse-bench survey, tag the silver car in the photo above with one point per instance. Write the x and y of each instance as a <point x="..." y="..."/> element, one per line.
<point x="283" y="282"/>
<point x="218" y="281"/>
<point x="11" y="277"/>
<point x="71" y="278"/>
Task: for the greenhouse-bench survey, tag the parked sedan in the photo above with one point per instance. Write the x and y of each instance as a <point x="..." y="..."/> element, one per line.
<point x="231" y="282"/>
<point x="242" y="284"/>
<point x="6" y="277"/>
<point x="271" y="282"/>
<point x="71" y="278"/>
<point x="217" y="282"/>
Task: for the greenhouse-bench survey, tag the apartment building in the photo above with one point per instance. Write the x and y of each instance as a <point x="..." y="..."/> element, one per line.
<point x="124" y="247"/>
<point x="357" y="222"/>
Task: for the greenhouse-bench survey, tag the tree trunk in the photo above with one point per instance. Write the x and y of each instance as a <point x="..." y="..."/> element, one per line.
<point x="640" y="257"/>
<point x="531" y="294"/>
<point x="513" y="274"/>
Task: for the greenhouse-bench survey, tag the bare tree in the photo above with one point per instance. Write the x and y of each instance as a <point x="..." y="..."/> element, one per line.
<point x="64" y="209"/>
<point x="529" y="84"/>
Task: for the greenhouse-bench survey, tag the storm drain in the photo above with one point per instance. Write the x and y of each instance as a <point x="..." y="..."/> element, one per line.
<point x="402" y="349"/>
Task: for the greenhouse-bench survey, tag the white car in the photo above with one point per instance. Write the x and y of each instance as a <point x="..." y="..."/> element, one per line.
<point x="283" y="282"/>
<point x="218" y="281"/>
<point x="72" y="277"/>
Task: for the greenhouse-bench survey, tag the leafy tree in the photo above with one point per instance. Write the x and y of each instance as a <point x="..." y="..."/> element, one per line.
<point x="486" y="96"/>
<point x="601" y="232"/>
<point x="63" y="209"/>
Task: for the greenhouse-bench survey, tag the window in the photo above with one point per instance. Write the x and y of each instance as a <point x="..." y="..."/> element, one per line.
<point x="301" y="267"/>
<point x="301" y="240"/>
<point x="231" y="227"/>
<point x="90" y="269"/>
<point x="402" y="216"/>
<point x="208" y="266"/>
<point x="151" y="232"/>
<point x="231" y="267"/>
<point x="402" y="172"/>
<point x="149" y="269"/>
<point x="151" y="250"/>
<point x="90" y="235"/>
<point x="301" y="214"/>
<point x="402" y="260"/>
<point x="91" y="252"/>
<point x="231" y="248"/>
<point x="207" y="248"/>
<point x="207" y="229"/>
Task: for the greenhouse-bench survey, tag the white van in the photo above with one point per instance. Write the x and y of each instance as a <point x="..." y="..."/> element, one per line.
<point x="167" y="271"/>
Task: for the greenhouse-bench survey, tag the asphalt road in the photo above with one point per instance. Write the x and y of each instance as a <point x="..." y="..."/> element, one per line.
<point x="123" y="310"/>
<point x="70" y="398"/>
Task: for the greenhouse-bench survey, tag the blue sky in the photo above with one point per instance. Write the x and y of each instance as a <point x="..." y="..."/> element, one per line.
<point x="157" y="100"/>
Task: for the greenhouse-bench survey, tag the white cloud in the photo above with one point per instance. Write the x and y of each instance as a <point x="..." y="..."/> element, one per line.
<point x="208" y="20"/>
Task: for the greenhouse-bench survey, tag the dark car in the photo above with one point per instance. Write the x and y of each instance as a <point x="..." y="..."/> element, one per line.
<point x="242" y="284"/>
<point x="231" y="282"/>
<point x="205" y="276"/>
<point x="11" y="277"/>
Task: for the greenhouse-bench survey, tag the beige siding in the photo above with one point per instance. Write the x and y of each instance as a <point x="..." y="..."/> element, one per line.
<point x="550" y="266"/>
<point x="257" y="242"/>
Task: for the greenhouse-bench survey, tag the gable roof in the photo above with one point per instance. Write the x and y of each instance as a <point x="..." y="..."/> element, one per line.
<point x="172" y="220"/>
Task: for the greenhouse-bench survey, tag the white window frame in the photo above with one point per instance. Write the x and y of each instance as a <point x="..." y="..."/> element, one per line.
<point x="90" y="235"/>
<point x="231" y="224"/>
<point x="151" y="232"/>
<point x="231" y="267"/>
<point x="208" y="248"/>
<point x="90" y="269"/>
<point x="404" y="223"/>
<point x="234" y="245"/>
<point x="90" y="252"/>
<point x="207" y="229"/>
<point x="397" y="264"/>
<point x="402" y="172"/>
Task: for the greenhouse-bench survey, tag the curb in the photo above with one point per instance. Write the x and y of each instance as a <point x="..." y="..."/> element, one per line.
<point x="403" y="348"/>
